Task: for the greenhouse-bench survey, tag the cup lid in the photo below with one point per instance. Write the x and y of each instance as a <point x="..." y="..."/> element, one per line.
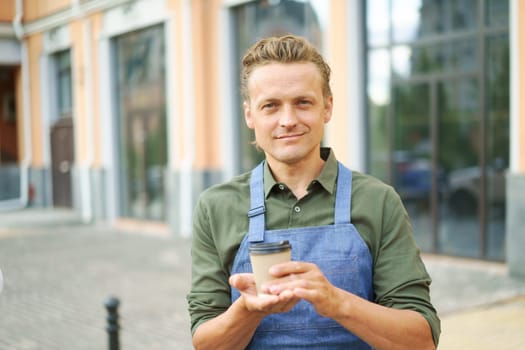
<point x="271" y="247"/>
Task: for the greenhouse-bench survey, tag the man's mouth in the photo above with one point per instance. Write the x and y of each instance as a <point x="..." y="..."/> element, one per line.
<point x="289" y="136"/>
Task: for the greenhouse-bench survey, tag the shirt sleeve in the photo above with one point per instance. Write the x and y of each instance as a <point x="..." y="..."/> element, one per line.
<point x="209" y="295"/>
<point x="400" y="277"/>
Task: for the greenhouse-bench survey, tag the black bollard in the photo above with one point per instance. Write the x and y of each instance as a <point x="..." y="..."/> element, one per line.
<point x="112" y="323"/>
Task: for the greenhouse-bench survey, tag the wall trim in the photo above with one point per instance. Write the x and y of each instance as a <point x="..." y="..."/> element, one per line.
<point x="134" y="15"/>
<point x="514" y="166"/>
<point x="7" y="31"/>
<point x="355" y="99"/>
<point x="187" y="161"/>
<point x="229" y="151"/>
<point x="68" y="15"/>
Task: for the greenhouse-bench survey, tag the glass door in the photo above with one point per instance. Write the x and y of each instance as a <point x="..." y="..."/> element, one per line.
<point x="412" y="158"/>
<point x="62" y="138"/>
<point x="438" y="166"/>
<point x="142" y="123"/>
<point x="438" y="117"/>
<point x="460" y="156"/>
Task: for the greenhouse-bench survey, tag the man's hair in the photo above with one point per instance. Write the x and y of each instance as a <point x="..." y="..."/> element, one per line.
<point x="284" y="49"/>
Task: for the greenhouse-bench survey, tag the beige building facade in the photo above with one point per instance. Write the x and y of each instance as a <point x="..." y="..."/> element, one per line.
<point x="125" y="110"/>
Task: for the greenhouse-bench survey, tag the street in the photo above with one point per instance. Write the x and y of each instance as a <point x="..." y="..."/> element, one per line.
<point x="58" y="277"/>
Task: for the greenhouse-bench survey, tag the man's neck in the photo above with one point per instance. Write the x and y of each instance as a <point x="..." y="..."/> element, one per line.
<point x="297" y="176"/>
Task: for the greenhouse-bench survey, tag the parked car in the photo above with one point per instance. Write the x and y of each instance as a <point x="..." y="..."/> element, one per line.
<point x="413" y="177"/>
<point x="464" y="189"/>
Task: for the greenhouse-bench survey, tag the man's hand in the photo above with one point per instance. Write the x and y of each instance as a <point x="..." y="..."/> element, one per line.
<point x="379" y="326"/>
<point x="305" y="281"/>
<point x="266" y="304"/>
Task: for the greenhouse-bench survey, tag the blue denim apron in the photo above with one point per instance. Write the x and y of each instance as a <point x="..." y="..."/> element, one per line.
<point x="340" y="253"/>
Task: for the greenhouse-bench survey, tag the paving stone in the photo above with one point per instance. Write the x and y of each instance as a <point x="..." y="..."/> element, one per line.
<point x="58" y="275"/>
<point x="57" y="280"/>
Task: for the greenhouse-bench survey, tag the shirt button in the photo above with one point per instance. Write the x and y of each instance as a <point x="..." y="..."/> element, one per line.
<point x="281" y="187"/>
<point x="297" y="209"/>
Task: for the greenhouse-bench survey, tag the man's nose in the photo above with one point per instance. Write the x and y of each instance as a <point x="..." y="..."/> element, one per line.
<point x="288" y="116"/>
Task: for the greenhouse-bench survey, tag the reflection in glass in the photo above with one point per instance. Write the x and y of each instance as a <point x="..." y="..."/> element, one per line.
<point x="140" y="82"/>
<point x="497" y="141"/>
<point x="452" y="56"/>
<point x="259" y="19"/>
<point x="437" y="72"/>
<point x="62" y="62"/>
<point x="405" y="19"/>
<point x="497" y="13"/>
<point x="413" y="19"/>
<point x="378" y="98"/>
<point x="379" y="76"/>
<point x="411" y="157"/>
<point x="458" y="154"/>
<point x="377" y="19"/>
<point x="402" y="61"/>
<point x="443" y="17"/>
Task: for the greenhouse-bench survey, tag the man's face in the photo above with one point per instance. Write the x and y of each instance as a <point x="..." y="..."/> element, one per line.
<point x="287" y="111"/>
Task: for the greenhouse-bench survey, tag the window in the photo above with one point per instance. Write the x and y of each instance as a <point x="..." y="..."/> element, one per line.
<point x="438" y="111"/>
<point x="140" y="79"/>
<point x="62" y="61"/>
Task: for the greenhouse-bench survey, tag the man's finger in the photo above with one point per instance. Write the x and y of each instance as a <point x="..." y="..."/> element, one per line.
<point x="241" y="280"/>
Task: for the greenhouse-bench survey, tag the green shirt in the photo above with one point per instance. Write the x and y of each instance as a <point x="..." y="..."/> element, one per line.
<point x="221" y="222"/>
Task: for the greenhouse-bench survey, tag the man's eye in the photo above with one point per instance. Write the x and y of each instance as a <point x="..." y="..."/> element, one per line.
<point x="269" y="105"/>
<point x="304" y="102"/>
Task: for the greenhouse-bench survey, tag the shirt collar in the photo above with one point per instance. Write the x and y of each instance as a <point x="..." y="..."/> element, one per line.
<point x="327" y="177"/>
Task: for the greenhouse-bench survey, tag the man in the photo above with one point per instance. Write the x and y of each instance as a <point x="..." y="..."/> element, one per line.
<point x="356" y="280"/>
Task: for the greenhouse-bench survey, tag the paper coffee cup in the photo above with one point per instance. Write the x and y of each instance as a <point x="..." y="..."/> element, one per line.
<point x="265" y="255"/>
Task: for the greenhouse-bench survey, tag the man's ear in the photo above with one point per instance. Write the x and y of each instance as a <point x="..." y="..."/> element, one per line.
<point x="328" y="108"/>
<point x="247" y="114"/>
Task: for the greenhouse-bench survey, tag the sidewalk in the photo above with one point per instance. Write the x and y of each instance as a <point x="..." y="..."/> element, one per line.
<point x="480" y="306"/>
<point x="37" y="217"/>
<point x="495" y="326"/>
<point x="57" y="278"/>
<point x="59" y="273"/>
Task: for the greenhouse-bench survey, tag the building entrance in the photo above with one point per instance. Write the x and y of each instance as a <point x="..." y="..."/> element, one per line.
<point x="62" y="158"/>
<point x="438" y="118"/>
<point x="452" y="188"/>
<point x="9" y="158"/>
<point x="142" y="123"/>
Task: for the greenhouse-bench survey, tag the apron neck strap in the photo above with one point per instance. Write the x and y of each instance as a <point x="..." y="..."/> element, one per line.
<point x="257" y="208"/>
<point x="343" y="195"/>
<point x="257" y="225"/>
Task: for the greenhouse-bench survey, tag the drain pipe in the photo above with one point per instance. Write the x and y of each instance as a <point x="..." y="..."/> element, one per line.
<point x="186" y="163"/>
<point x="86" y="183"/>
<point x="26" y="89"/>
